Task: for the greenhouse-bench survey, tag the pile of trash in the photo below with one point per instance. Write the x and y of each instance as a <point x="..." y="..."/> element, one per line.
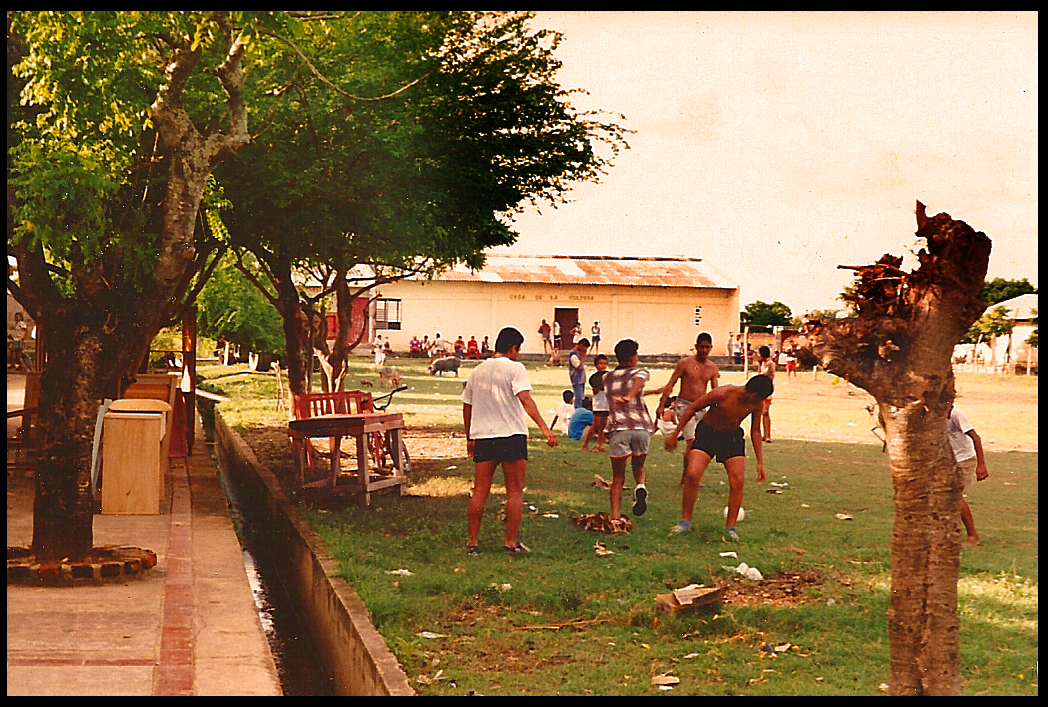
<point x="603" y="523"/>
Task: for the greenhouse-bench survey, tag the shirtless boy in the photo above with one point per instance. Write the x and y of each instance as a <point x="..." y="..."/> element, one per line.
<point x="695" y="373"/>
<point x="719" y="435"/>
<point x="766" y="368"/>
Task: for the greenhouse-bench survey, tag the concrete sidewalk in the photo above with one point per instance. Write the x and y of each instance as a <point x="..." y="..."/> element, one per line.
<point x="188" y="626"/>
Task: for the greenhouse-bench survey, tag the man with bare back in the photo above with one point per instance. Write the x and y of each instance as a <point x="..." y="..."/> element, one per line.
<point x="695" y="374"/>
<point x="719" y="435"/>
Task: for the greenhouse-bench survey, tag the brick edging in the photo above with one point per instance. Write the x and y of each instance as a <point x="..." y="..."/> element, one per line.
<point x="352" y="650"/>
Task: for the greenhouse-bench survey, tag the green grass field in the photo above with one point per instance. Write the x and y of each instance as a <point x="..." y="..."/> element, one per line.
<point x="565" y="620"/>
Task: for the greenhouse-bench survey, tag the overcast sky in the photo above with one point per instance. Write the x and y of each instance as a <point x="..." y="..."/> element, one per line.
<point x="778" y="145"/>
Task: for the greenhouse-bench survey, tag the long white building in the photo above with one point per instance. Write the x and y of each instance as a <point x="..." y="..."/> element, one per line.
<point x="663" y="303"/>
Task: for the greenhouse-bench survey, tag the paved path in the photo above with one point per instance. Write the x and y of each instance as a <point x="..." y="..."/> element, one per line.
<point x="188" y="626"/>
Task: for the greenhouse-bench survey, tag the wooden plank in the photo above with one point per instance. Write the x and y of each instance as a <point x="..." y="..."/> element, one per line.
<point x="131" y="463"/>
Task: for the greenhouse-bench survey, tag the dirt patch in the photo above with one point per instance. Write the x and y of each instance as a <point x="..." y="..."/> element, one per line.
<point x="430" y="448"/>
<point x="785" y="588"/>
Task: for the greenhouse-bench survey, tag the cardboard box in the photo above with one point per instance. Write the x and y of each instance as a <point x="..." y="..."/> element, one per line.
<point x="690" y="598"/>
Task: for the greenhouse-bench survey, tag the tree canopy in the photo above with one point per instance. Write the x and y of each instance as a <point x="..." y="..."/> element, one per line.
<point x="1000" y="289"/>
<point x="764" y="315"/>
<point x="411" y="158"/>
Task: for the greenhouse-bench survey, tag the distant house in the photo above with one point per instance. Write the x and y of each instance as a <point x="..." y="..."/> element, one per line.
<point x="663" y="303"/>
<point x="1014" y="349"/>
<point x="1011" y="349"/>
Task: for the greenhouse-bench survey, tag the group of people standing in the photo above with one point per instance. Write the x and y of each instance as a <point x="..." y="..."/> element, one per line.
<point x="705" y="414"/>
<point x="553" y="339"/>
<point x="497" y="396"/>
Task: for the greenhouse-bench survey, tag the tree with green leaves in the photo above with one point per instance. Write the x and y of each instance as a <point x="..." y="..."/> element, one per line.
<point x="406" y="162"/>
<point x="231" y="306"/>
<point x="1000" y="289"/>
<point x="763" y="316"/>
<point x="116" y="121"/>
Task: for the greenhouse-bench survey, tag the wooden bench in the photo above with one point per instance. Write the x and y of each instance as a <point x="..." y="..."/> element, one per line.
<point x="347" y="414"/>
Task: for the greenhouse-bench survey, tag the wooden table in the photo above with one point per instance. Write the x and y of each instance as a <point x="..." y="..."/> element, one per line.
<point x="360" y="427"/>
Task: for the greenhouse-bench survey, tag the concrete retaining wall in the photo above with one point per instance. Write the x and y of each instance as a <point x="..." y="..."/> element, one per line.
<point x="353" y="652"/>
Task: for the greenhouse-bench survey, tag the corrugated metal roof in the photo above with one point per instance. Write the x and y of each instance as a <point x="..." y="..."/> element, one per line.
<point x="594" y="270"/>
<point x="1020" y="308"/>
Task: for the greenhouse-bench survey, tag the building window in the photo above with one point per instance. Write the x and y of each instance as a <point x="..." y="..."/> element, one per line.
<point x="387" y="314"/>
<point x="698" y="316"/>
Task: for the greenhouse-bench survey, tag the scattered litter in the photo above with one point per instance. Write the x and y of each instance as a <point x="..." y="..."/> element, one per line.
<point x="774" y="491"/>
<point x="645" y="645"/>
<point x="730" y="554"/>
<point x="665" y="680"/>
<point x="831" y="601"/>
<point x="550" y="515"/>
<point x="783" y="647"/>
<point x="423" y="680"/>
<point x="742" y="513"/>
<point x="602" y="550"/>
<point x="843" y="516"/>
<point x="532" y="508"/>
<point x="603" y="523"/>
<point x="600" y="482"/>
<point x="501" y="588"/>
<point x="805" y="505"/>
<point x="883" y="687"/>
<point x="782" y="485"/>
<point x="689" y="598"/>
<point x="402" y="573"/>
<point x="430" y="634"/>
<point x="745" y="570"/>
<point x="451" y="467"/>
<point x="692" y="655"/>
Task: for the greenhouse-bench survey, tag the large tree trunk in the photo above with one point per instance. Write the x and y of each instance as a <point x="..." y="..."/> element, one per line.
<point x="899" y="349"/>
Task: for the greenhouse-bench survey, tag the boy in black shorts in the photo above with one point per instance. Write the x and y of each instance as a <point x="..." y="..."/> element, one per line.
<point x="719" y="436"/>
<point x="494" y="401"/>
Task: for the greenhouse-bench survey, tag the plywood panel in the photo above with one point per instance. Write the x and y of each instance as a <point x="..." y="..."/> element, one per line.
<point x="131" y="464"/>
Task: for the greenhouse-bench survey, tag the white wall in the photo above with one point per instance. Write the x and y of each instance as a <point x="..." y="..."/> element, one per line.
<point x="661" y="319"/>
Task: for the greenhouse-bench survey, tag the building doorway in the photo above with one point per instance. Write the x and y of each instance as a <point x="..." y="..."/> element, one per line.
<point x="568" y="318"/>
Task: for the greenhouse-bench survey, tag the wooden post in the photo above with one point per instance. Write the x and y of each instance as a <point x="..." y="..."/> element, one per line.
<point x="189" y="346"/>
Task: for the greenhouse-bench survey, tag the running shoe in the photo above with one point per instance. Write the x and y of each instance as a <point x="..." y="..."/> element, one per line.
<point x="640" y="497"/>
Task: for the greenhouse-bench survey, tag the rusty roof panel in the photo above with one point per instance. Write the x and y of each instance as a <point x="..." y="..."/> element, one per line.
<point x="595" y="270"/>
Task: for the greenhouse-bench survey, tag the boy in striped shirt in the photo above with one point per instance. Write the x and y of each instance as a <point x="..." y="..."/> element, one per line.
<point x="629" y="426"/>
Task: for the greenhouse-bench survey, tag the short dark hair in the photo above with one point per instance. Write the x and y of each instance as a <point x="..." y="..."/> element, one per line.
<point x="587" y="402"/>
<point x="704" y="336"/>
<point x="583" y="342"/>
<point x="764" y="351"/>
<point x="568" y="395"/>
<point x="760" y="385"/>
<point x="625" y="350"/>
<point x="507" y="339"/>
<point x="600" y="357"/>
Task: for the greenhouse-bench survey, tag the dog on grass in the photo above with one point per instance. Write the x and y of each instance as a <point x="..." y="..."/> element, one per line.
<point x="388" y="377"/>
